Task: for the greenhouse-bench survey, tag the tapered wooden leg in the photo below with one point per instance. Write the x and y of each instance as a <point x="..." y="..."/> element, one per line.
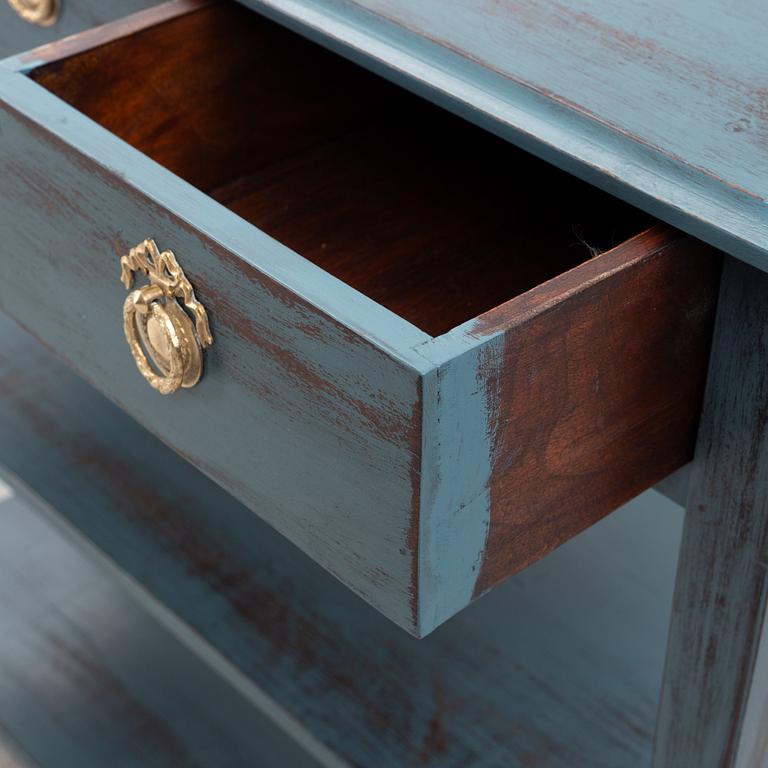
<point x="712" y="704"/>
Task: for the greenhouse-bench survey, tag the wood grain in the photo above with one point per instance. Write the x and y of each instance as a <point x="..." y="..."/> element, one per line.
<point x="597" y="392"/>
<point x="721" y="591"/>
<point x="752" y="751"/>
<point x="305" y="406"/>
<point x="369" y="188"/>
<point x="191" y="109"/>
<point x="102" y="34"/>
<point x="559" y="668"/>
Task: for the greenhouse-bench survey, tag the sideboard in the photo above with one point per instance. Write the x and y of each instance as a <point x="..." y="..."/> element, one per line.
<point x="423" y="293"/>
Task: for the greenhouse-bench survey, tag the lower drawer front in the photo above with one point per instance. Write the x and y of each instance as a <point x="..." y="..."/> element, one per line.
<point x="58" y="18"/>
<point x="423" y="375"/>
<point x="93" y="675"/>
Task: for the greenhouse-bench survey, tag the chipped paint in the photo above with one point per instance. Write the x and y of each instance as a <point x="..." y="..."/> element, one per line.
<point x="332" y="437"/>
<point x="459" y="421"/>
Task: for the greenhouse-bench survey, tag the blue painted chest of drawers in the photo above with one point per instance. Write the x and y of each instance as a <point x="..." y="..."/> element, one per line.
<point x="407" y="338"/>
<point x="439" y="337"/>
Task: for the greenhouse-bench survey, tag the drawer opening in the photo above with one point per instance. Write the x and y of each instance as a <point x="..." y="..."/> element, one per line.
<point x="435" y="219"/>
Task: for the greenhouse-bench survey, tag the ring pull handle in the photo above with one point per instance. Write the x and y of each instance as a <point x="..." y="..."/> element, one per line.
<point x="45" y="13"/>
<point x="167" y="346"/>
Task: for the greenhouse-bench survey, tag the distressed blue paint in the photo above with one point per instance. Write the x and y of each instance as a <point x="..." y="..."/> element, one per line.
<point x="721" y="590"/>
<point x="561" y="662"/>
<point x="89" y="676"/>
<point x="305" y="406"/>
<point x="76" y="15"/>
<point x="622" y="95"/>
<point x="364" y="316"/>
<point x="455" y="498"/>
<point x="331" y="453"/>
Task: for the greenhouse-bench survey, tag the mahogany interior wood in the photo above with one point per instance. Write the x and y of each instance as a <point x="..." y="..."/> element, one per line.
<point x="434" y="218"/>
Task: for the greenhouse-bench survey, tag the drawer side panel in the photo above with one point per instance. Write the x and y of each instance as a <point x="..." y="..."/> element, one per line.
<point x="598" y="392"/>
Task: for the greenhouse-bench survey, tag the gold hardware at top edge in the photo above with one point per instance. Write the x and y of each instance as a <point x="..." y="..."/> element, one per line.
<point x="45" y="13"/>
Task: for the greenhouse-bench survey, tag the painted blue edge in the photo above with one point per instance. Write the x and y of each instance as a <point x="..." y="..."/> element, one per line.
<point x="458" y="418"/>
<point x="682" y="195"/>
<point x="380" y="326"/>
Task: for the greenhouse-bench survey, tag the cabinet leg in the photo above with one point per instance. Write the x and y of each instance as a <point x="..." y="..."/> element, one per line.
<point x="712" y="704"/>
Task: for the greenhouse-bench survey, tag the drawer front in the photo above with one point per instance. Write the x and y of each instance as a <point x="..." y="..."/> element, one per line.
<point x="304" y="409"/>
<point x="419" y="470"/>
<point x="17" y="35"/>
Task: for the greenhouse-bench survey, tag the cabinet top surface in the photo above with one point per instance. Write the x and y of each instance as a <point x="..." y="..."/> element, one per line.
<point x="664" y="104"/>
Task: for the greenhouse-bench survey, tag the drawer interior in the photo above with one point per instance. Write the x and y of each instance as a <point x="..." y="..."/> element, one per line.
<point x="433" y="218"/>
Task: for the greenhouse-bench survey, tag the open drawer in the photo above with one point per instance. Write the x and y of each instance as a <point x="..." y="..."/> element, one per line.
<point x="435" y="357"/>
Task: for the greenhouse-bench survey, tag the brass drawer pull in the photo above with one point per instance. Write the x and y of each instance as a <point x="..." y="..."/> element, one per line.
<point x="42" y="12"/>
<point x="166" y="345"/>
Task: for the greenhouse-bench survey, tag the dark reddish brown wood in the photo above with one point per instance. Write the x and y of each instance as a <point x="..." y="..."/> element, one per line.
<point x="279" y="343"/>
<point x="433" y="218"/>
<point x="209" y="92"/>
<point x="436" y="236"/>
<point x="599" y="392"/>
